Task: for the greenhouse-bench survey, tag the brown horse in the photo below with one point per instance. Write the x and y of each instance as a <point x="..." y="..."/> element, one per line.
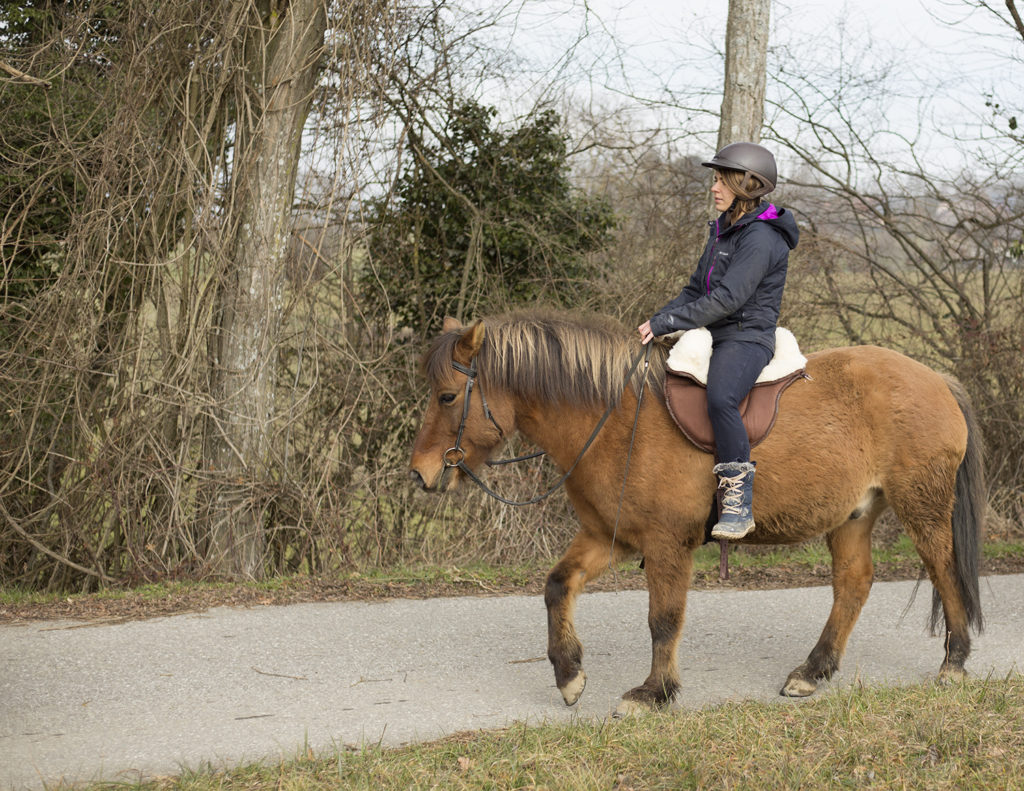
<point x="871" y="429"/>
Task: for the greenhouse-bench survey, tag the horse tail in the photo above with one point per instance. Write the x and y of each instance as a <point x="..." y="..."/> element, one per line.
<point x="968" y="516"/>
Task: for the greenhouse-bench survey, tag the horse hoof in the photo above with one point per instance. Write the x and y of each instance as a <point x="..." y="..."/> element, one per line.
<point x="951" y="675"/>
<point x="797" y="687"/>
<point x="629" y="708"/>
<point x="572" y="691"/>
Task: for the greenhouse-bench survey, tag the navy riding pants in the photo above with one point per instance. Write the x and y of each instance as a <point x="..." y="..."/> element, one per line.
<point x="735" y="366"/>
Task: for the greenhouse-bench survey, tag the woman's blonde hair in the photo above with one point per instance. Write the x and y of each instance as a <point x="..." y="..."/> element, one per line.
<point x="745" y="187"/>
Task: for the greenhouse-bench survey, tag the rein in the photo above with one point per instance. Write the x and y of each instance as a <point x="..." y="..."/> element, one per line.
<point x="449" y="456"/>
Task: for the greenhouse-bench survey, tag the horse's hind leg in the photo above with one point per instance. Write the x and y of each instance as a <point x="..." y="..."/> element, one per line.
<point x="585" y="559"/>
<point x="935" y="547"/>
<point x="852" y="575"/>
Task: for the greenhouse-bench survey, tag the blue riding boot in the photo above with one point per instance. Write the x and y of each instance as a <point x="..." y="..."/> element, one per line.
<point x="736" y="480"/>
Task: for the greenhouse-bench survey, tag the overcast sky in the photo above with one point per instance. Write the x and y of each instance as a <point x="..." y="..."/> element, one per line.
<point x="664" y="55"/>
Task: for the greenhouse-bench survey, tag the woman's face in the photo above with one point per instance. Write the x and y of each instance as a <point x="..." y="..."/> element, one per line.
<point x="721" y="193"/>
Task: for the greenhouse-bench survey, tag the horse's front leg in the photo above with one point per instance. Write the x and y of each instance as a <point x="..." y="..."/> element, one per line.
<point x="669" y="571"/>
<point x="586" y="558"/>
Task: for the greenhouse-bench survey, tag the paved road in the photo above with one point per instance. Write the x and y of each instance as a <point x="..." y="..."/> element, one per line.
<point x="84" y="702"/>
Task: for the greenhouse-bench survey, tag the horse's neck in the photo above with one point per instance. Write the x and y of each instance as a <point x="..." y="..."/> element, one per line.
<point x="560" y="430"/>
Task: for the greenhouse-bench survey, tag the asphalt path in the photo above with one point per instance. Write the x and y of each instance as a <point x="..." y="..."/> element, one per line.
<point x="83" y="702"/>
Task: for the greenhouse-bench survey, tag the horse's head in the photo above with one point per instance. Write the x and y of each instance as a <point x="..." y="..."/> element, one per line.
<point x="463" y="423"/>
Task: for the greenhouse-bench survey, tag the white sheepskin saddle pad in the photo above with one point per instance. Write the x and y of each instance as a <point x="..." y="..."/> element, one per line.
<point x="691" y="356"/>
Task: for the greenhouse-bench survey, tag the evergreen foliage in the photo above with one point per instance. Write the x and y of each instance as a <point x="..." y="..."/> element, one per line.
<point x="482" y="218"/>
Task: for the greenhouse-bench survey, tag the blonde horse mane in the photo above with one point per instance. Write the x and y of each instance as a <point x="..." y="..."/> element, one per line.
<point x="554" y="357"/>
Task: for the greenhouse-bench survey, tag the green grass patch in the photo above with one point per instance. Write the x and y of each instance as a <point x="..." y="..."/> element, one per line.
<point x="814" y="553"/>
<point x="1002" y="549"/>
<point x="898" y="551"/>
<point x="150" y="592"/>
<point x="472" y="572"/>
<point x="11" y="596"/>
<point x="781" y="564"/>
<point x="164" y="598"/>
<point x="929" y="736"/>
<point x="810" y="554"/>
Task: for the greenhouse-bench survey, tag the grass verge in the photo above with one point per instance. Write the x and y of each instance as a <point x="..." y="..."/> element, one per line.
<point x="751" y="568"/>
<point x="929" y="736"/>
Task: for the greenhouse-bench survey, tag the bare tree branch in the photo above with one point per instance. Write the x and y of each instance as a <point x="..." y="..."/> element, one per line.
<point x="20" y="76"/>
<point x="1011" y="6"/>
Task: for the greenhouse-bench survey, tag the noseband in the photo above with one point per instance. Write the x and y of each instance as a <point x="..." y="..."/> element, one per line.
<point x="455" y="456"/>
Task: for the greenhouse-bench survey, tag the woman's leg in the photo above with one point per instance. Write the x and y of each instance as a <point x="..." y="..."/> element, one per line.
<point x="735" y="366"/>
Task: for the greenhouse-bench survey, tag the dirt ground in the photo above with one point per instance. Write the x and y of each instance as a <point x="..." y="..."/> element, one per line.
<point x="134" y="605"/>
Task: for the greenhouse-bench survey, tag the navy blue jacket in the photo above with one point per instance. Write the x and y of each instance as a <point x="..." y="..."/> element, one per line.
<point x="736" y="290"/>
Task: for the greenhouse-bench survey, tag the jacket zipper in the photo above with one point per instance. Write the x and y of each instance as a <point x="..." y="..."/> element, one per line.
<point x="707" y="284"/>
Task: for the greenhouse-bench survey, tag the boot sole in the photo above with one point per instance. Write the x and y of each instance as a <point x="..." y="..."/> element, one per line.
<point x="724" y="535"/>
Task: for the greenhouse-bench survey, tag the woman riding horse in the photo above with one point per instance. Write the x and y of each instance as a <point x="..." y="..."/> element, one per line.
<point x="736" y="292"/>
<point x="870" y="430"/>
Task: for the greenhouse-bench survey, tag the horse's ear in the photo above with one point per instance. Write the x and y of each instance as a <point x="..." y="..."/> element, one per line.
<point x="450" y="324"/>
<point x="471" y="341"/>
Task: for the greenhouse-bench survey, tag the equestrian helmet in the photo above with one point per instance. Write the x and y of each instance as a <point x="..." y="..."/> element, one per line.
<point x="749" y="159"/>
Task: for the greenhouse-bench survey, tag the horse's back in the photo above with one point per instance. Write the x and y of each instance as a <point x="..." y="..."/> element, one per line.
<point x="885" y="398"/>
<point x="888" y="391"/>
<point x="867" y="419"/>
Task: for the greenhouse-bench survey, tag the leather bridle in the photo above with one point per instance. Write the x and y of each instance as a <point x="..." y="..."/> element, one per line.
<point x="471" y="373"/>
<point x="455" y="456"/>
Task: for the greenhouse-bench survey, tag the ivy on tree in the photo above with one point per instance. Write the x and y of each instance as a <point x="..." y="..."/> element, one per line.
<point x="482" y="219"/>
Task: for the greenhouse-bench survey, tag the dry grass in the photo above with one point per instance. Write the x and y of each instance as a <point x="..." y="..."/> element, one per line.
<point x="111" y="307"/>
<point x="929" y="736"/>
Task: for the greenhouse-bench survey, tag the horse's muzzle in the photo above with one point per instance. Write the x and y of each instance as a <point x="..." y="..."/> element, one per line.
<point x="441" y="483"/>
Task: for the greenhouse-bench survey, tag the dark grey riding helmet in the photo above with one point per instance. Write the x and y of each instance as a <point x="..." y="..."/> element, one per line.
<point x="750" y="159"/>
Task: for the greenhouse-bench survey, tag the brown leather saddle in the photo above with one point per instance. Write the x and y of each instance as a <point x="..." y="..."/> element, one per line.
<point x="687" y="401"/>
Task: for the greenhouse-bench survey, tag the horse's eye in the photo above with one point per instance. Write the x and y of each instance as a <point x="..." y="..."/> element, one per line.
<point x="446" y="398"/>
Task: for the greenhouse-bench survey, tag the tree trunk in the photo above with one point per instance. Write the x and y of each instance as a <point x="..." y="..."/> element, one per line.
<point x="282" y="50"/>
<point x="746" y="63"/>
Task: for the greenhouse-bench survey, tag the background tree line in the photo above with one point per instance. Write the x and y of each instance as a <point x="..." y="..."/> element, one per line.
<point x="229" y="228"/>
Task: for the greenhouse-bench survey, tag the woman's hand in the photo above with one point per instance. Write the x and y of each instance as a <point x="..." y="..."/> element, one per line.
<point x="645" y="332"/>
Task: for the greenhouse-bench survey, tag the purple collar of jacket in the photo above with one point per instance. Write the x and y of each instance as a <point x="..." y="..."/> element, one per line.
<point x="780" y="220"/>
